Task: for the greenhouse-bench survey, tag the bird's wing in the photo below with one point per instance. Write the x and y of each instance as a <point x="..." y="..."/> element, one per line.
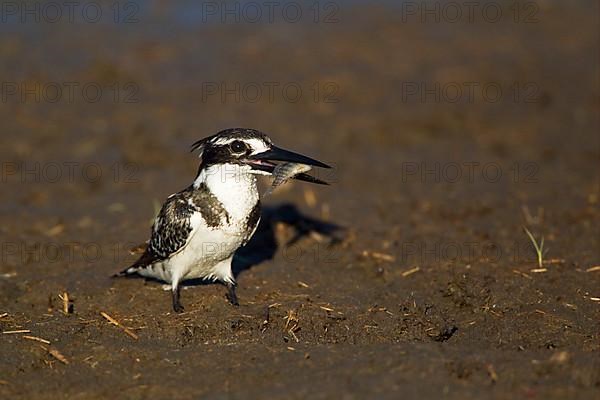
<point x="180" y="216"/>
<point x="172" y="226"/>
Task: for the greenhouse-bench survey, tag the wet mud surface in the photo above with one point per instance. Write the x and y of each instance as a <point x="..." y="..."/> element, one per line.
<point x="411" y="276"/>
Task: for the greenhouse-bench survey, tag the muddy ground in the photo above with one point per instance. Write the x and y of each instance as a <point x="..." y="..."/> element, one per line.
<point x="411" y="276"/>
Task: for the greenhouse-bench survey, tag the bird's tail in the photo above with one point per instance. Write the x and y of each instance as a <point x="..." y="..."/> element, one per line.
<point x="132" y="270"/>
<point x="145" y="260"/>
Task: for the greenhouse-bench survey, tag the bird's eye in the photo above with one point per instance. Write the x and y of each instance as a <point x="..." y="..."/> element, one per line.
<point x="237" y="146"/>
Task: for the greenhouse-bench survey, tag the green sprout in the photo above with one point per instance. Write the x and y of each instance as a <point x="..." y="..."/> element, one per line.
<point x="539" y="247"/>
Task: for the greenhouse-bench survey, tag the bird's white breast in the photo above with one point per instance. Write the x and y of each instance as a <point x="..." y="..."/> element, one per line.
<point x="207" y="246"/>
<point x="233" y="186"/>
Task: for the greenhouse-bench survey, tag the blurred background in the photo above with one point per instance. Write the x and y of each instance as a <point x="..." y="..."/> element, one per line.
<point x="451" y="125"/>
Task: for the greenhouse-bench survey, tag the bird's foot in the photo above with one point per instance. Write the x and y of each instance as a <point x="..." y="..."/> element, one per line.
<point x="177" y="307"/>
<point x="231" y="295"/>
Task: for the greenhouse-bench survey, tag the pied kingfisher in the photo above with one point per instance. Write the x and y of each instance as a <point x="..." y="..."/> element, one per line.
<point x="198" y="229"/>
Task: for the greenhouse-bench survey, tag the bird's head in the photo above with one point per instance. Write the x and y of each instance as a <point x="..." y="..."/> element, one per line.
<point x="250" y="150"/>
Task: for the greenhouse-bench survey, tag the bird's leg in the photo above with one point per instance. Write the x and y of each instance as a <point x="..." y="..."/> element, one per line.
<point x="231" y="296"/>
<point x="177" y="307"/>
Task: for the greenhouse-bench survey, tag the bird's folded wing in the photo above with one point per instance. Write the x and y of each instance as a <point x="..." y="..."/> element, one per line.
<point x="172" y="226"/>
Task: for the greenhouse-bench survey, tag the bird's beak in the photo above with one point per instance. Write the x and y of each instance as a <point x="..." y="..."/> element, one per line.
<point x="264" y="162"/>
<point x="278" y="154"/>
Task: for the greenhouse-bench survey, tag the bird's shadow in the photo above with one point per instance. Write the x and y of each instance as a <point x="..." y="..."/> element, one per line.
<point x="264" y="244"/>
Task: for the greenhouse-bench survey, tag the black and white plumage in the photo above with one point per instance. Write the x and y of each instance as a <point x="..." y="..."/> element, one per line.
<point x="198" y="229"/>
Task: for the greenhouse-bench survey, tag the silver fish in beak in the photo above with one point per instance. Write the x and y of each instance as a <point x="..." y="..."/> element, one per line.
<point x="293" y="165"/>
<point x="285" y="171"/>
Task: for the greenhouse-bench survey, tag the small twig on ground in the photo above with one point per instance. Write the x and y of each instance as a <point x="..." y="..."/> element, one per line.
<point x="538" y="270"/>
<point x="16" y="332"/>
<point x="37" y="339"/>
<point x="118" y="324"/>
<point x="522" y="274"/>
<point x="378" y="256"/>
<point x="67" y="309"/>
<point x="56" y="354"/>
<point x="292" y="324"/>
<point x="410" y="271"/>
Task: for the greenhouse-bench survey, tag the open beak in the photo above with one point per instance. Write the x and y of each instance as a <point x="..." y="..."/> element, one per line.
<point x="264" y="162"/>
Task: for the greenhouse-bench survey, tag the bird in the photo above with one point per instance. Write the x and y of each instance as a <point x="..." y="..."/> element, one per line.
<point x="198" y="229"/>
